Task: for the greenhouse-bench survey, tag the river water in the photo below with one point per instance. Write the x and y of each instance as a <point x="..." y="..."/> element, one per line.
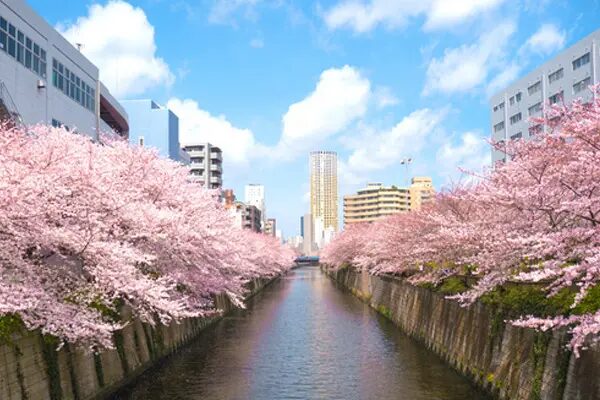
<point x="303" y="338"/>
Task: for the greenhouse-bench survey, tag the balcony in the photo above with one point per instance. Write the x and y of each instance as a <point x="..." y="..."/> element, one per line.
<point x="216" y="168"/>
<point x="216" y="179"/>
<point x="216" y="156"/>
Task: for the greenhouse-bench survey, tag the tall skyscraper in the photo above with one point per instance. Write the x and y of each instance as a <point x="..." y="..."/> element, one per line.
<point x="324" y="187"/>
<point x="254" y="195"/>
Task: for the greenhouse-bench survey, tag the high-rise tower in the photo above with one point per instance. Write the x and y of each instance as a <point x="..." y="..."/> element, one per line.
<point x="324" y="187"/>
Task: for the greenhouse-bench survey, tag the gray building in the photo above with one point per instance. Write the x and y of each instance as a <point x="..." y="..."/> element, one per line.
<point x="155" y="126"/>
<point x="564" y="78"/>
<point x="206" y="164"/>
<point x="45" y="79"/>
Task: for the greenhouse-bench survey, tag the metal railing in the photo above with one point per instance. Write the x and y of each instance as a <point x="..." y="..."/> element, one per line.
<point x="8" y="105"/>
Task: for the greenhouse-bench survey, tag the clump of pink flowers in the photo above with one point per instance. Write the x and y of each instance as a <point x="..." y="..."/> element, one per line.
<point x="88" y="228"/>
<point x="535" y="218"/>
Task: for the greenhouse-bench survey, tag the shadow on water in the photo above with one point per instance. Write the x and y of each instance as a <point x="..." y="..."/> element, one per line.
<point x="302" y="338"/>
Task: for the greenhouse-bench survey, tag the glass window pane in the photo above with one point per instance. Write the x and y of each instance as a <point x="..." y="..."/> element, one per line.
<point x="12" y="46"/>
<point x="28" y="59"/>
<point x="3" y="24"/>
<point x="3" y="38"/>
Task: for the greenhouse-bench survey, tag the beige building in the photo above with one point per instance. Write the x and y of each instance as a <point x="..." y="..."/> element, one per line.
<point x="324" y="188"/>
<point x="421" y="191"/>
<point x="377" y="201"/>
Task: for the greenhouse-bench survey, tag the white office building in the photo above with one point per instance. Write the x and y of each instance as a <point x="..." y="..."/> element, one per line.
<point x="562" y="79"/>
<point x="254" y="194"/>
<point x="45" y="79"/>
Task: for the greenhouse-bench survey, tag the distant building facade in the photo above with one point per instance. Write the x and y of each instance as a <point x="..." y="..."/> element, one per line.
<point x="152" y="125"/>
<point x="563" y="78"/>
<point x="377" y="201"/>
<point x="45" y="79"/>
<point x="254" y="194"/>
<point x="271" y="227"/>
<point x="206" y="164"/>
<point x="308" y="244"/>
<point x="228" y="198"/>
<point x="324" y="187"/>
<point x="246" y="216"/>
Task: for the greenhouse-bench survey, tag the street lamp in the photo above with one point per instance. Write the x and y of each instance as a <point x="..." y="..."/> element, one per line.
<point x="406" y="162"/>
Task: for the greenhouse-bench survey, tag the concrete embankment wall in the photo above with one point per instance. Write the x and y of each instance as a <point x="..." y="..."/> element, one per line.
<point x="510" y="362"/>
<point x="32" y="369"/>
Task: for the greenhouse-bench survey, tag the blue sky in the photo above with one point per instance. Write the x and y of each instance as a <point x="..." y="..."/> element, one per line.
<point x="374" y="80"/>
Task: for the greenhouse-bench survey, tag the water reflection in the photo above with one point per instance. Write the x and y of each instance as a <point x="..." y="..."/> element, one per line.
<point x="302" y="338"/>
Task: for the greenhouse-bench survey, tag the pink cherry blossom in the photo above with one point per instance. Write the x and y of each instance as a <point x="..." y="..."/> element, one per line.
<point x="86" y="228"/>
<point x="535" y="218"/>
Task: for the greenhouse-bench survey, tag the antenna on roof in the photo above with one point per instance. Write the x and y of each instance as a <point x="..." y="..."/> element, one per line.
<point x="79" y="46"/>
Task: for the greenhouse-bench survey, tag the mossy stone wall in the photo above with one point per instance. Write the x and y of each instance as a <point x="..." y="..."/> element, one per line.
<point x="32" y="369"/>
<point x="509" y="362"/>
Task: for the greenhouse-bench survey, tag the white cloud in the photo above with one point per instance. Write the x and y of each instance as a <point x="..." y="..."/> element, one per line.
<point x="384" y="97"/>
<point x="506" y="76"/>
<point x="472" y="154"/>
<point x="119" y="39"/>
<point x="376" y="151"/>
<point x="546" y="40"/>
<point x="467" y="67"/>
<point x="362" y="16"/>
<point x="257" y="43"/>
<point x="446" y="13"/>
<point x="198" y="125"/>
<point x="340" y="97"/>
<point x="223" y="11"/>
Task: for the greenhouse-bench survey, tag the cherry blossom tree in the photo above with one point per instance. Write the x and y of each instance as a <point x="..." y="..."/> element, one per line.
<point x="86" y="229"/>
<point x="535" y="218"/>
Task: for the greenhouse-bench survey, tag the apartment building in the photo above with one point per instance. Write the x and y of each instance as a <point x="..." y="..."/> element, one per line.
<point x="377" y="201"/>
<point x="271" y="227"/>
<point x="45" y="79"/>
<point x="206" y="164"/>
<point x="562" y="79"/>
<point x="324" y="187"/>
<point x="254" y="194"/>
<point x="246" y="216"/>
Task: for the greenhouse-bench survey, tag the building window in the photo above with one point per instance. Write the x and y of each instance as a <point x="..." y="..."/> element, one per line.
<point x="556" y="75"/>
<point x="516" y="136"/>
<point x="555" y="98"/>
<point x="499" y="107"/>
<point x="536" y="87"/>
<point x="515" y="118"/>
<point x="518" y="97"/>
<point x="581" y="61"/>
<point x="21" y="47"/>
<point x="499" y="126"/>
<point x="581" y="85"/>
<point x="141" y="141"/>
<point x="535" y="108"/>
<point x="73" y="86"/>
<point x="512" y="100"/>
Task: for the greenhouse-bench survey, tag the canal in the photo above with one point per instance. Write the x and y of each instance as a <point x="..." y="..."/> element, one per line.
<point x="302" y="338"/>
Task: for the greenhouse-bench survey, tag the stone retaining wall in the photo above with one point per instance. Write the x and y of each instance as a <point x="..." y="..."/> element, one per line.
<point x="510" y="362"/>
<point x="32" y="369"/>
